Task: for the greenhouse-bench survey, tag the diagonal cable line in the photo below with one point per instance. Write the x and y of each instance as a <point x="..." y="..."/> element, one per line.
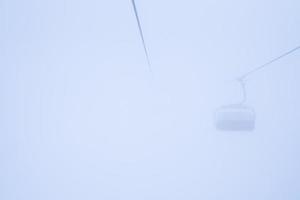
<point x="246" y="75"/>
<point x="141" y="33"/>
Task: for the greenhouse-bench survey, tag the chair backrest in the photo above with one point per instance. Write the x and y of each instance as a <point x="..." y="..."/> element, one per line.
<point x="235" y="118"/>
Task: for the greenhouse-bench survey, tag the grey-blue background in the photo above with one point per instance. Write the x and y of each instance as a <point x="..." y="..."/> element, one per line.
<point x="82" y="117"/>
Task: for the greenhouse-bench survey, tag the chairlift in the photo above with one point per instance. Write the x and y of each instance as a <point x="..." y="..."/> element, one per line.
<point x="240" y="117"/>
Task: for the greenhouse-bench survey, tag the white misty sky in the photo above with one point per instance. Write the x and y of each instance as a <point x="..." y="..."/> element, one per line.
<point x="82" y="117"/>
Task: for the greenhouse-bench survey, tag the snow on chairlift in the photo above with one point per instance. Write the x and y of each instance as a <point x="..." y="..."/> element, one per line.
<point x="235" y="118"/>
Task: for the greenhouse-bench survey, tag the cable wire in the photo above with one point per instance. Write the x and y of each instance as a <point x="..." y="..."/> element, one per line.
<point x="246" y="75"/>
<point x="141" y="32"/>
